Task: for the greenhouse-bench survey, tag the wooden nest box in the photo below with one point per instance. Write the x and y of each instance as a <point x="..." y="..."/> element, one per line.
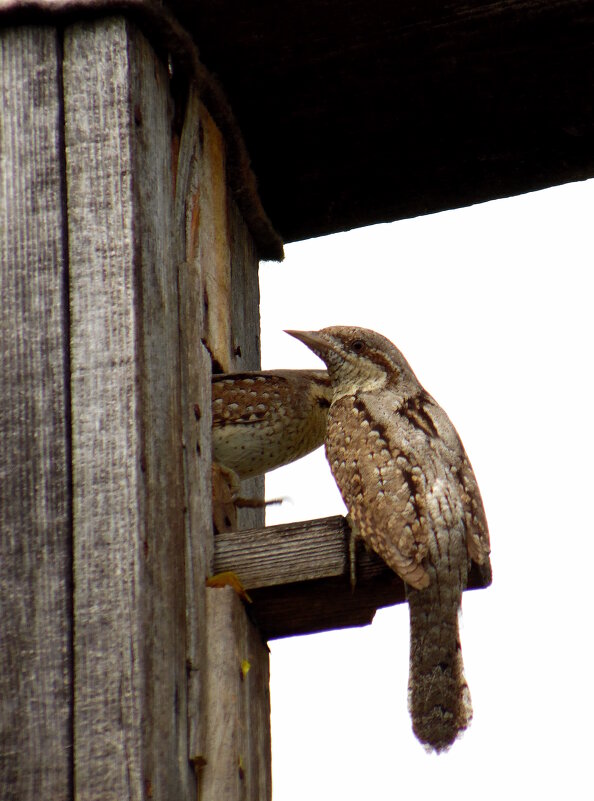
<point x="151" y="154"/>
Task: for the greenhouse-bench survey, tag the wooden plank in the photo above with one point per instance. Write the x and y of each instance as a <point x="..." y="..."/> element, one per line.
<point x="167" y="772"/>
<point x="458" y="102"/>
<point x="284" y="554"/>
<point x="245" y="332"/>
<point x="196" y="416"/>
<point x="130" y="672"/>
<point x="236" y="758"/>
<point x="35" y="510"/>
<point x="213" y="241"/>
<point x="238" y="702"/>
<point x="298" y="576"/>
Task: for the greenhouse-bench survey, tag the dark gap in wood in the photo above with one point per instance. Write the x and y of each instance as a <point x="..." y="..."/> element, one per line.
<point x="67" y="367"/>
<point x="179" y="90"/>
<point x="216" y="366"/>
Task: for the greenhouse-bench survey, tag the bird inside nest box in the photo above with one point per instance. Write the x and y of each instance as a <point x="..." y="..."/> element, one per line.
<point x="261" y="421"/>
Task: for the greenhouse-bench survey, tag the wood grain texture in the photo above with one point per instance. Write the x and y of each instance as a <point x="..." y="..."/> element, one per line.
<point x="238" y="765"/>
<point x="129" y="601"/>
<point x="298" y="577"/>
<point x="284" y="554"/>
<point x="218" y="286"/>
<point x="213" y="242"/>
<point x="237" y="707"/>
<point x="196" y="417"/>
<point x="507" y="83"/>
<point x="112" y="550"/>
<point x="35" y="512"/>
<point x="245" y="330"/>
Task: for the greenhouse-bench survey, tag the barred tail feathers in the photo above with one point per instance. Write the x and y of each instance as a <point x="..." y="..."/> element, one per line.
<point x="438" y="695"/>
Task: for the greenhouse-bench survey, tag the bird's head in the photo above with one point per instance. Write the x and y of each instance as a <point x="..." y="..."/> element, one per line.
<point x="359" y="360"/>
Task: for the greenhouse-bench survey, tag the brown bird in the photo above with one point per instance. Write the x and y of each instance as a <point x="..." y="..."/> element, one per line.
<point x="411" y="492"/>
<point x="262" y="420"/>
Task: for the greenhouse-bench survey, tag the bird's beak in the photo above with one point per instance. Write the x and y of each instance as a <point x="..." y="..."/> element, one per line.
<point x="314" y="340"/>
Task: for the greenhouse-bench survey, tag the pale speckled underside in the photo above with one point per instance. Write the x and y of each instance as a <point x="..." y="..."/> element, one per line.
<point x="264" y="420"/>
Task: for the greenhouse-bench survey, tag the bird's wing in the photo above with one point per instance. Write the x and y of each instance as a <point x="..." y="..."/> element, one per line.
<point x="424" y="412"/>
<point x="235" y="398"/>
<point x="477" y="530"/>
<point x="378" y="482"/>
<point x="429" y="419"/>
<point x="247" y="398"/>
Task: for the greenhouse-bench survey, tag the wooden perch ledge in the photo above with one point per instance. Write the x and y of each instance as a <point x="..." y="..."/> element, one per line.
<point x="297" y="576"/>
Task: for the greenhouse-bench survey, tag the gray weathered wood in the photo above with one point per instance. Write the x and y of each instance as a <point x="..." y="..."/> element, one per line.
<point x="196" y="416"/>
<point x="35" y="526"/>
<point x="99" y="429"/>
<point x="284" y="554"/>
<point x="245" y="331"/>
<point x="237" y="713"/>
<point x="218" y="284"/>
<point x="130" y="727"/>
<point x="230" y="739"/>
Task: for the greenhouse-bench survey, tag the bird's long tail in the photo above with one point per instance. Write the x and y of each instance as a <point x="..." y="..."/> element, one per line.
<point x="438" y="695"/>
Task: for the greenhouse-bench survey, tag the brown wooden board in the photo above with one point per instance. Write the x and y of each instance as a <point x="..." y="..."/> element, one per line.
<point x="237" y="712"/>
<point x="235" y="740"/>
<point x="364" y="111"/>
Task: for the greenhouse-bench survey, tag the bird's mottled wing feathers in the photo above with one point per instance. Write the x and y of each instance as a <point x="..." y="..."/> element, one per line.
<point x="247" y="398"/>
<point x="395" y="522"/>
<point x="426" y="430"/>
<point x="477" y="530"/>
<point x="367" y="470"/>
<point x="266" y="419"/>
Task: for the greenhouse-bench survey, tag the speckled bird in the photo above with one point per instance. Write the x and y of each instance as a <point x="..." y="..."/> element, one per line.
<point x="263" y="420"/>
<point x="412" y="494"/>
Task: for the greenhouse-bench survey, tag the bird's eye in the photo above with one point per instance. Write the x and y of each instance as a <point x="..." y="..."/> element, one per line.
<point x="357" y="345"/>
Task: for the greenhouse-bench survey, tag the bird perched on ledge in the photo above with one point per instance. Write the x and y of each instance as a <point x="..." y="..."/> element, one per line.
<point x="263" y="420"/>
<point x="412" y="494"/>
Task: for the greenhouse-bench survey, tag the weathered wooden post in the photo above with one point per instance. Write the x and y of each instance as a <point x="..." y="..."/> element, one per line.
<point x="126" y="266"/>
<point x="130" y="232"/>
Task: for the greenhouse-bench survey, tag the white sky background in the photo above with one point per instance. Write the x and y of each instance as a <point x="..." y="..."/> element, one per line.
<point x="493" y="307"/>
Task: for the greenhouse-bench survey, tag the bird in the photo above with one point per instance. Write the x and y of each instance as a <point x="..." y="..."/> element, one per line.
<point x="263" y="420"/>
<point x="413" y="497"/>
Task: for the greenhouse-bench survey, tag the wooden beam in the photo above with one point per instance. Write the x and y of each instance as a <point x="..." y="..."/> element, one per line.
<point x="298" y="576"/>
<point x="238" y="703"/>
<point x="195" y="367"/>
<point x="229" y="731"/>
<point x="35" y="480"/>
<point x="444" y="104"/>
<point x="130" y="697"/>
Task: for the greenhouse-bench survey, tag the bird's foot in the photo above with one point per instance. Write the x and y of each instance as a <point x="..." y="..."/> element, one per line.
<point x="229" y="579"/>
